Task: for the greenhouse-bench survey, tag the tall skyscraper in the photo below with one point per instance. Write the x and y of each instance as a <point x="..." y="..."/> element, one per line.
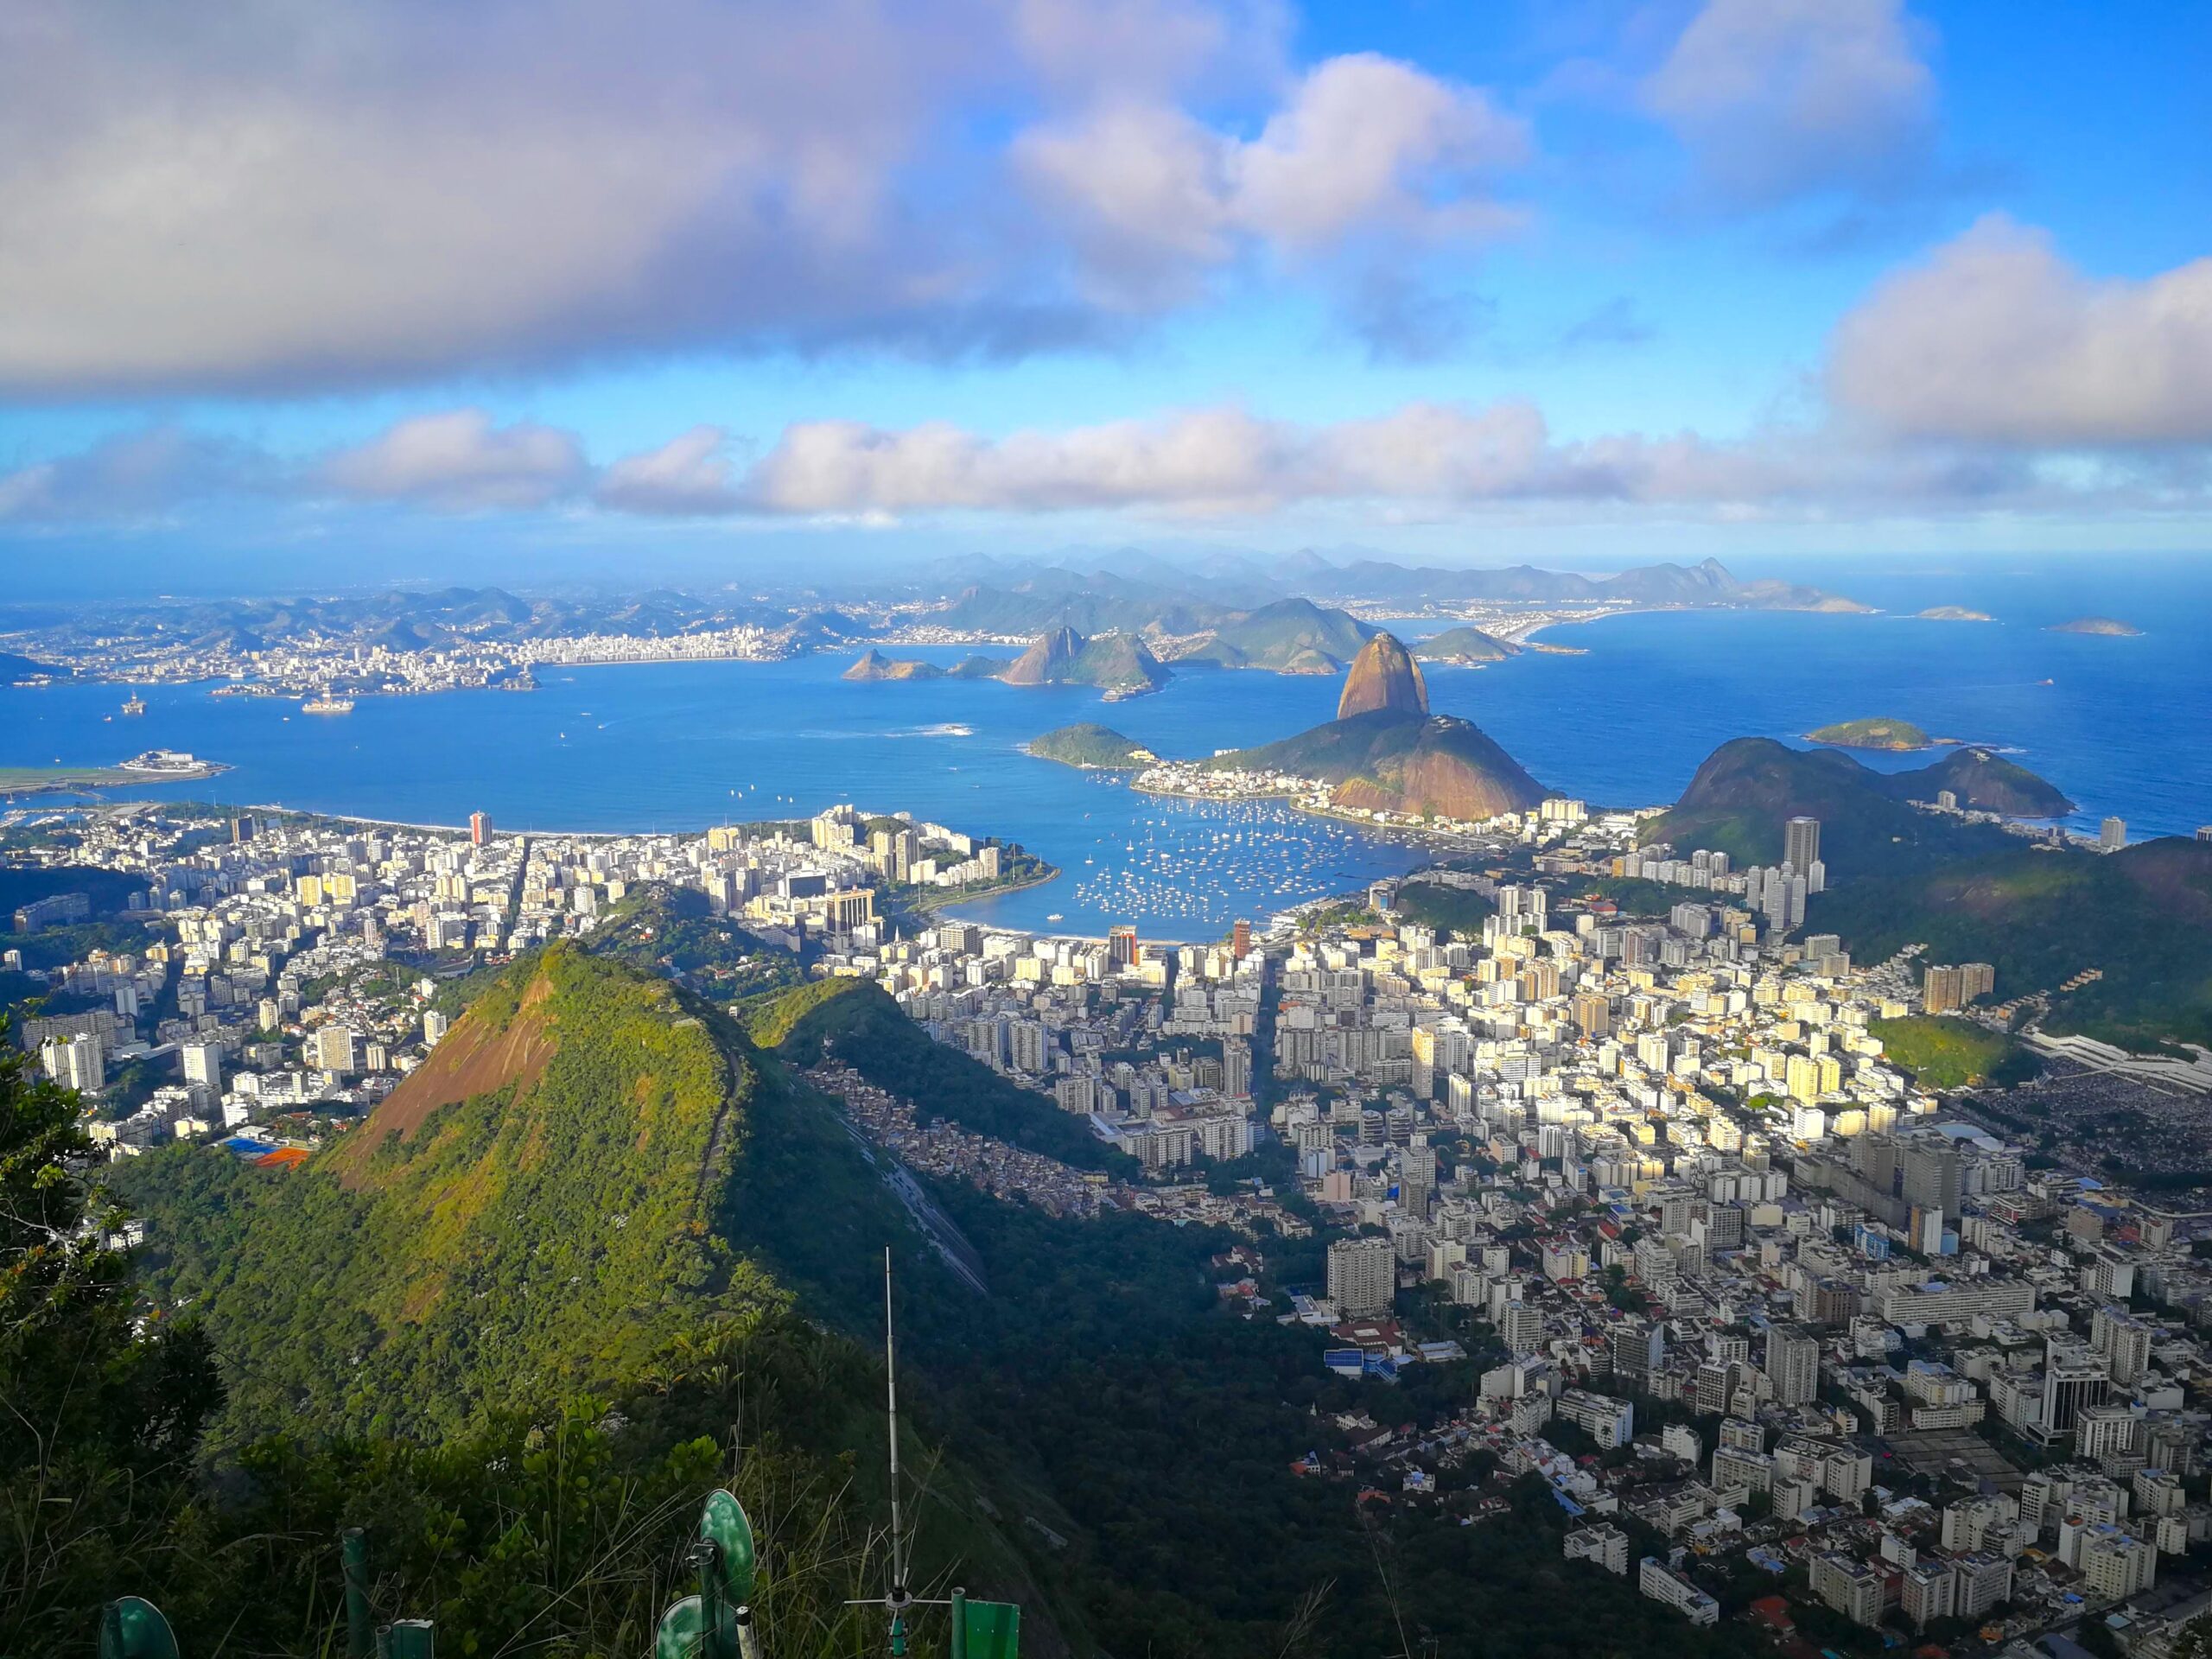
<point x="2112" y="835"/>
<point x="333" y="1049"/>
<point x="1240" y="939"/>
<point x="1801" y="844"/>
<point x="479" y="825"/>
<point x="1793" y="1365"/>
<point x="1363" y="1276"/>
<point x="1941" y="989"/>
<point x="1122" y="945"/>
<point x="203" y="1071"/>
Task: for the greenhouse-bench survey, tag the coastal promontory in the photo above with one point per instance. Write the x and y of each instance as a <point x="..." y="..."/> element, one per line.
<point x="1463" y="646"/>
<point x="1090" y="747"/>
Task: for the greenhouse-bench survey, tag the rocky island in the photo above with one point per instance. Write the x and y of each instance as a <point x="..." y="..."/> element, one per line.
<point x="1466" y="647"/>
<point x="1091" y="747"/>
<point x="1952" y="614"/>
<point x="1896" y="736"/>
<point x="2108" y="628"/>
<point x="873" y="665"/>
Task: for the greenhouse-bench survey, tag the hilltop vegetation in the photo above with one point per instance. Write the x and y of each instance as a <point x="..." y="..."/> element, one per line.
<point x="1746" y="788"/>
<point x="673" y="931"/>
<point x="1091" y="745"/>
<point x="1459" y="910"/>
<point x="525" y="1219"/>
<point x="2143" y="918"/>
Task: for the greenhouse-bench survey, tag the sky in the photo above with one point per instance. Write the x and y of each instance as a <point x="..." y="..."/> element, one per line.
<point x="317" y="296"/>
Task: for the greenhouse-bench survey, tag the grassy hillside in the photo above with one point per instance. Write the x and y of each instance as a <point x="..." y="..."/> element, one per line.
<point x="526" y="1217"/>
<point x="1952" y="1053"/>
<point x="2142" y="917"/>
<point x="1293" y="634"/>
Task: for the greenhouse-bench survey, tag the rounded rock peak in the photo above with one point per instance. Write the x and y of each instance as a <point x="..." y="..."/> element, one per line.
<point x="1384" y="676"/>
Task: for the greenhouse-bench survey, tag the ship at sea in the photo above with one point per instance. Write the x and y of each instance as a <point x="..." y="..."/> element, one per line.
<point x="328" y="704"/>
<point x="134" y="704"/>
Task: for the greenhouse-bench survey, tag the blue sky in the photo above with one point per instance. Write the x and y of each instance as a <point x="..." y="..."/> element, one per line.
<point x="580" y="289"/>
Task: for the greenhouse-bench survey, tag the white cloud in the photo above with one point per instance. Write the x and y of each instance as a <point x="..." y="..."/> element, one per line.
<point x="1220" y="460"/>
<point x="1368" y="142"/>
<point x="1363" y="146"/>
<point x="688" y="475"/>
<point x="297" y="196"/>
<point x="1775" y="97"/>
<point x="1996" y="338"/>
<point x="132" y="475"/>
<point x="458" y="461"/>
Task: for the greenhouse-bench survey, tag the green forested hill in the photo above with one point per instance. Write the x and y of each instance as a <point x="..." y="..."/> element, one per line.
<point x="2142" y="917"/>
<point x="527" y="1216"/>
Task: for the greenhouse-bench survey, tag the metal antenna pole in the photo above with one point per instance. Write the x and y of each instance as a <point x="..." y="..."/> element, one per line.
<point x="891" y="1386"/>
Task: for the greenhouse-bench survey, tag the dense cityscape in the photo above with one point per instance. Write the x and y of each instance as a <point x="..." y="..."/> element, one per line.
<point x="1792" y="1335"/>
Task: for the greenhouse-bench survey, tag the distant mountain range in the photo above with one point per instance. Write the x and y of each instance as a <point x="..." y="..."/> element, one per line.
<point x="1187" y="620"/>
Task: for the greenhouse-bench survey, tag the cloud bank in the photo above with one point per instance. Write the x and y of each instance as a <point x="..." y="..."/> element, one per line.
<point x="341" y="196"/>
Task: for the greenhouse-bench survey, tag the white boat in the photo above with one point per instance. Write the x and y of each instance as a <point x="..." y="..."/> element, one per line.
<point x="327" y="704"/>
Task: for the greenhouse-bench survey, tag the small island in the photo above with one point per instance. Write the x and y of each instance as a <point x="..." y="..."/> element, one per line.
<point x="1465" y="647"/>
<point x="2104" y="626"/>
<point x="1952" y="614"/>
<point x="1896" y="736"/>
<point x="873" y="665"/>
<point x="1092" y="747"/>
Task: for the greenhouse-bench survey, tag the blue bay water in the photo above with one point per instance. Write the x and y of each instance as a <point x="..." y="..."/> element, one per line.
<point x="2123" y="725"/>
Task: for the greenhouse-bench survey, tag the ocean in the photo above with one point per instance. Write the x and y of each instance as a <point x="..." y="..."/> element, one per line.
<point x="2123" y="725"/>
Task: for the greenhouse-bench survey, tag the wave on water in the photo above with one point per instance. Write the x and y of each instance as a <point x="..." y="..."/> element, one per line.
<point x="944" y="729"/>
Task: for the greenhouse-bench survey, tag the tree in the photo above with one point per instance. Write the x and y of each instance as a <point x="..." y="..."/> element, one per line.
<point x="97" y="1423"/>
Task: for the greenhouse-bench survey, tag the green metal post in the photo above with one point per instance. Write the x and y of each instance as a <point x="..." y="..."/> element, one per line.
<point x="407" y="1638"/>
<point x="959" y="1622"/>
<point x="133" y="1628"/>
<point x="360" y="1623"/>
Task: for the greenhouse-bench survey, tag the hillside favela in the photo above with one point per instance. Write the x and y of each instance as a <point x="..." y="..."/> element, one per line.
<point x="1106" y="829"/>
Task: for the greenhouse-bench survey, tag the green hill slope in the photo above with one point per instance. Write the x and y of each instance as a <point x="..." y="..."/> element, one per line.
<point x="527" y="1216"/>
<point x="1293" y="635"/>
<point x="2143" y="918"/>
<point x="1089" y="744"/>
<point x="1741" y="795"/>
